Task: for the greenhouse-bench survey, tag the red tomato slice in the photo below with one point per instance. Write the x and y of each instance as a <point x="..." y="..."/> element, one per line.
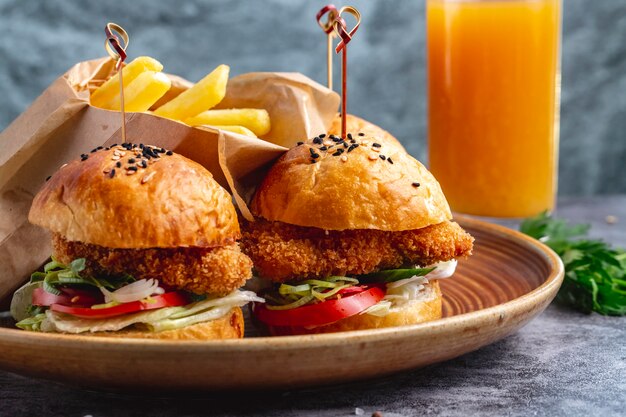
<point x="320" y="314"/>
<point x="170" y="299"/>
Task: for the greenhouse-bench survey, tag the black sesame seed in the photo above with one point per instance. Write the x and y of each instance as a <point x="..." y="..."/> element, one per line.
<point x="115" y="144"/>
<point x="313" y="161"/>
<point x="118" y="164"/>
<point x="99" y="147"/>
<point x="337" y="140"/>
<point x="49" y="176"/>
<point x="169" y="153"/>
<point x="416" y="184"/>
<point x="376" y="145"/>
<point x="339" y="152"/>
<point x="112" y="173"/>
<point x="350" y="136"/>
<point x="144" y="163"/>
<point x="353" y="147"/>
<point x="162" y="150"/>
<point x="317" y="141"/>
<point x="361" y="134"/>
<point x="315" y="155"/>
<point x="93" y="150"/>
<point x="345" y="144"/>
<point x="132" y="168"/>
<point x="383" y="157"/>
<point x="131" y="161"/>
<point x="84" y="157"/>
<point x="323" y="148"/>
<point x="141" y="145"/>
<point x="323" y="135"/>
<point x="390" y="161"/>
<point x="300" y="143"/>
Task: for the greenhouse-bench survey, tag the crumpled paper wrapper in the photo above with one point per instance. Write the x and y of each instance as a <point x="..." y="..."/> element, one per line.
<point x="60" y="125"/>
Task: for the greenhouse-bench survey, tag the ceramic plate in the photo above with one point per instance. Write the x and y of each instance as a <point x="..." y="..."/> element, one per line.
<point x="509" y="280"/>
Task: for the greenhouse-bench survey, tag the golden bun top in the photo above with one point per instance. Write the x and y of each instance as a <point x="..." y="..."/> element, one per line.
<point x="356" y="124"/>
<point x="136" y="196"/>
<point x="359" y="183"/>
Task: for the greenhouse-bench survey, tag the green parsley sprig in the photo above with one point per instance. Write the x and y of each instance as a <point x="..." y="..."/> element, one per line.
<point x="595" y="272"/>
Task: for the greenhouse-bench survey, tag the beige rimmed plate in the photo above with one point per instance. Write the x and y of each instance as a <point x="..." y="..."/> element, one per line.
<point x="509" y="280"/>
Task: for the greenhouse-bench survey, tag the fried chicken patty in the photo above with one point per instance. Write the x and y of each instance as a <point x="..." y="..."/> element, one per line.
<point x="218" y="270"/>
<point x="282" y="251"/>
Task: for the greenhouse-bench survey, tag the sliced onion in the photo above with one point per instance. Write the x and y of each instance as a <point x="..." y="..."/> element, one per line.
<point x="135" y="291"/>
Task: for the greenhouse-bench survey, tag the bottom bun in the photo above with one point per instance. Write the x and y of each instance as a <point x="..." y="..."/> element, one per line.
<point x="230" y="326"/>
<point x="413" y="313"/>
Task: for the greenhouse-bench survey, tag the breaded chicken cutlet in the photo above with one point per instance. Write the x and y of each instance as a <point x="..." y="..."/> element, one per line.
<point x="282" y="251"/>
<point x="218" y="270"/>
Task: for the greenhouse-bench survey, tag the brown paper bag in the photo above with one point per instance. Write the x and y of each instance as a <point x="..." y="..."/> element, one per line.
<point x="60" y="125"/>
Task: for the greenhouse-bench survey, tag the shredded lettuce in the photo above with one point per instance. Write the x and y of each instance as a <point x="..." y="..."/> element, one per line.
<point x="56" y="274"/>
<point x="32" y="323"/>
<point x="167" y="318"/>
<point x="393" y="275"/>
<point x="297" y="294"/>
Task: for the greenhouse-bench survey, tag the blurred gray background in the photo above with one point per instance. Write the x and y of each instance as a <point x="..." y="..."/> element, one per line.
<point x="387" y="83"/>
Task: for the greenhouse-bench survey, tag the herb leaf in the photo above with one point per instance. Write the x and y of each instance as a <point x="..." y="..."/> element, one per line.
<point x="595" y="272"/>
<point x="393" y="275"/>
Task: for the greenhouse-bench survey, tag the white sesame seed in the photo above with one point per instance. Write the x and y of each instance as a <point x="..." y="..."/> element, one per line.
<point x="344" y="158"/>
<point x="364" y="142"/>
<point x="129" y="172"/>
<point x="115" y="157"/>
<point x="106" y="171"/>
<point x="376" y="149"/>
<point x="373" y="157"/>
<point x="147" y="178"/>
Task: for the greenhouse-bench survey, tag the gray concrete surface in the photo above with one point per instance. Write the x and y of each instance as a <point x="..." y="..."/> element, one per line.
<point x="41" y="39"/>
<point x="561" y="364"/>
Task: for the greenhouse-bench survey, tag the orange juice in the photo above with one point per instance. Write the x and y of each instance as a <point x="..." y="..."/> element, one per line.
<point x="494" y="81"/>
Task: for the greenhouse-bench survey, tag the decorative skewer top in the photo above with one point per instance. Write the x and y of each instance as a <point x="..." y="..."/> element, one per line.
<point x="117" y="50"/>
<point x="341" y="29"/>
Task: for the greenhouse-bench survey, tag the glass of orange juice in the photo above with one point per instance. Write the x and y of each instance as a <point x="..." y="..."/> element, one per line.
<point x="494" y="91"/>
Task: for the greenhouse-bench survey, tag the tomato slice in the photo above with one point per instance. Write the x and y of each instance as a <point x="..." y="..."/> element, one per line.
<point x="170" y="299"/>
<point x="320" y="314"/>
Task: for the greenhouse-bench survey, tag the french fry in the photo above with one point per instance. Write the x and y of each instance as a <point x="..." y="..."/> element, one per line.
<point x="143" y="92"/>
<point x="257" y="120"/>
<point x="236" y="129"/>
<point x="111" y="88"/>
<point x="205" y="94"/>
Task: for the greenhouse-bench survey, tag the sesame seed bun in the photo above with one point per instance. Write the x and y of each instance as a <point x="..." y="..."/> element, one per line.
<point x="414" y="312"/>
<point x="350" y="187"/>
<point x="230" y="326"/>
<point x="356" y="124"/>
<point x="108" y="198"/>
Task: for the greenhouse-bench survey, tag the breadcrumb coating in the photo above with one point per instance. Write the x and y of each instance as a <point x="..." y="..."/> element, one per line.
<point x="283" y="252"/>
<point x="218" y="270"/>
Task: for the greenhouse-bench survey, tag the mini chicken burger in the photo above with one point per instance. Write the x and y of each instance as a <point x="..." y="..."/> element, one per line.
<point x="354" y="234"/>
<point x="144" y="245"/>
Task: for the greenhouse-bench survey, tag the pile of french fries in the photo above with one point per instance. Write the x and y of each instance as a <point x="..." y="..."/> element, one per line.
<point x="145" y="85"/>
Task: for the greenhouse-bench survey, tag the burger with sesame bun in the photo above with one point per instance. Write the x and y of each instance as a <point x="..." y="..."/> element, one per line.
<point x="354" y="234"/>
<point x="144" y="244"/>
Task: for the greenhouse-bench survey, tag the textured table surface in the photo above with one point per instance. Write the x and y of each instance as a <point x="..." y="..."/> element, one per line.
<point x="562" y="363"/>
